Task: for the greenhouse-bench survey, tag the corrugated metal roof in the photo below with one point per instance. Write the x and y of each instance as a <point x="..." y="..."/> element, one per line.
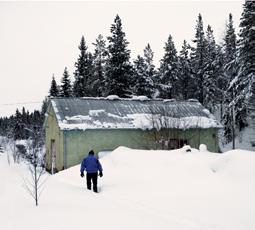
<point x="118" y="113"/>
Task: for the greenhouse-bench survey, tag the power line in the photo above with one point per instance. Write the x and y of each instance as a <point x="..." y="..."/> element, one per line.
<point x="22" y="103"/>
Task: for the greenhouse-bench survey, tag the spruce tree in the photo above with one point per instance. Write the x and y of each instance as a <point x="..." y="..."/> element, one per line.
<point x="25" y="122"/>
<point x="220" y="75"/>
<point x="90" y="82"/>
<point x="54" y="92"/>
<point x="246" y="62"/>
<point x="168" y="71"/>
<point x="185" y="82"/>
<point x="230" y="72"/>
<point x="99" y="61"/>
<point x="212" y="72"/>
<point x="83" y="71"/>
<point x="198" y="60"/>
<point x="230" y="58"/>
<point x="44" y="107"/>
<point x="18" y="126"/>
<point x="118" y="67"/>
<point x="151" y="72"/>
<point x="229" y="46"/>
<point x="65" y="87"/>
<point x="148" y="58"/>
<point x="143" y="82"/>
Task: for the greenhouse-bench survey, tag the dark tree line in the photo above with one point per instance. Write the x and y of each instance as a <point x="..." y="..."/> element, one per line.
<point x="20" y="125"/>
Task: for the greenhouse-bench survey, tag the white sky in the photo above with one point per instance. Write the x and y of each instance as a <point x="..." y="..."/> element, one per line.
<point x="38" y="39"/>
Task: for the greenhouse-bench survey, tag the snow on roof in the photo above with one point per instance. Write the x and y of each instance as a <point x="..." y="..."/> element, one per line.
<point x="136" y="113"/>
<point x="112" y="97"/>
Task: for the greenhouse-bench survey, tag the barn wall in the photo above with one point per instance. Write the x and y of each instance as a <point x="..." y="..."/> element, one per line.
<point x="203" y="136"/>
<point x="78" y="143"/>
<point x="52" y="132"/>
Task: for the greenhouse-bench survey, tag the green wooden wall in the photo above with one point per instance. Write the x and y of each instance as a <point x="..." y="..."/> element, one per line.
<point x="52" y="132"/>
<point x="78" y="143"/>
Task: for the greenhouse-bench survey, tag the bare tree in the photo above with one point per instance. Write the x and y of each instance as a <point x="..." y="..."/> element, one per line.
<point x="34" y="184"/>
<point x="10" y="149"/>
<point x="166" y="127"/>
<point x="4" y="143"/>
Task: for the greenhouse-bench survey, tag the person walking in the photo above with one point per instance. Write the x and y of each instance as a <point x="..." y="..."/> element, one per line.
<point x="91" y="165"/>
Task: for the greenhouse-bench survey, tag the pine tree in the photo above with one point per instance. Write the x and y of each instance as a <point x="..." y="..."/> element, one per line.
<point x="230" y="57"/>
<point x="246" y="63"/>
<point x="143" y="82"/>
<point x="99" y="61"/>
<point x="25" y="122"/>
<point x="65" y="87"/>
<point x="83" y="71"/>
<point x="212" y="72"/>
<point x="18" y="126"/>
<point x="54" y="92"/>
<point x="44" y="106"/>
<point x="198" y="60"/>
<point x="168" y="71"/>
<point x="229" y="46"/>
<point x="118" y="68"/>
<point x="148" y="58"/>
<point x="230" y="72"/>
<point x="185" y="82"/>
<point x="90" y="83"/>
<point x="219" y="73"/>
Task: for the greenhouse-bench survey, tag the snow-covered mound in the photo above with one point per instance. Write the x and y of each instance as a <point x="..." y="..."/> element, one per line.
<point x="141" y="189"/>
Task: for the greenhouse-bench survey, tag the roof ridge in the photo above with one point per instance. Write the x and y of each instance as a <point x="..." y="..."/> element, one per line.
<point x="127" y="99"/>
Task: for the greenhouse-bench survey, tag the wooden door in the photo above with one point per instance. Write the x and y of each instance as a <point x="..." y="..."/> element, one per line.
<point x="53" y="155"/>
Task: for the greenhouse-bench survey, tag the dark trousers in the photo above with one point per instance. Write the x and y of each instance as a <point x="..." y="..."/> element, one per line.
<point x="92" y="177"/>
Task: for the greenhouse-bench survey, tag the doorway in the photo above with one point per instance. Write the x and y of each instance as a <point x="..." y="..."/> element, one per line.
<point x="53" y="155"/>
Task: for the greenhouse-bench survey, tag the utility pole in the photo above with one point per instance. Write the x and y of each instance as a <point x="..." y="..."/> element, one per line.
<point x="35" y="167"/>
<point x="233" y="121"/>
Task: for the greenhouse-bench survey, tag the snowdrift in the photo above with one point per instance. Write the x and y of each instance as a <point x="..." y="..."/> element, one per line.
<point x="141" y="189"/>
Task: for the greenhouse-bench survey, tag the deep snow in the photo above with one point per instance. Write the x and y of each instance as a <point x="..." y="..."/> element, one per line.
<point x="163" y="190"/>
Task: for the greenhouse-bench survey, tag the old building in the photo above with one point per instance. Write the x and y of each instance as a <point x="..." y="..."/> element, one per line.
<point x="73" y="126"/>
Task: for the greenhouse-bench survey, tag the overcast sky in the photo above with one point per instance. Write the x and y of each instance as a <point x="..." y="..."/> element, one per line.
<point x="38" y="39"/>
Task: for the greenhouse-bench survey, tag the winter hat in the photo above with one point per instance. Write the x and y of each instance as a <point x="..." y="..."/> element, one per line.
<point x="91" y="152"/>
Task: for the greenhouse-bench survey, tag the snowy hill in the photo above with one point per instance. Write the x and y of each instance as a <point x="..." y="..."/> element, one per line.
<point x="140" y="189"/>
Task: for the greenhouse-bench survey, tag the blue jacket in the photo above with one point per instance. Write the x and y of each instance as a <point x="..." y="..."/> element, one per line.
<point x="91" y="164"/>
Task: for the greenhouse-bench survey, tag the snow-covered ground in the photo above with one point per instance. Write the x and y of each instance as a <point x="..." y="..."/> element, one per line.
<point x="163" y="190"/>
<point x="244" y="138"/>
